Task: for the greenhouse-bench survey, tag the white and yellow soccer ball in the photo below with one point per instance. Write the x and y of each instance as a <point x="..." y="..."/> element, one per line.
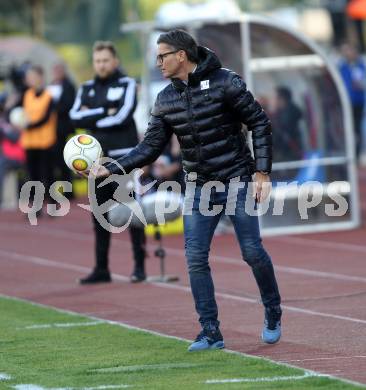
<point x="81" y="151"/>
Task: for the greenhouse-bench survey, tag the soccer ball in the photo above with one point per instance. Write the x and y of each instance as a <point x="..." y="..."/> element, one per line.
<point x="81" y="151"/>
<point x="18" y="117"/>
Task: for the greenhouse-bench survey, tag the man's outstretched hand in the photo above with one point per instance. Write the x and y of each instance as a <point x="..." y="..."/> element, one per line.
<point x="99" y="171"/>
<point x="96" y="171"/>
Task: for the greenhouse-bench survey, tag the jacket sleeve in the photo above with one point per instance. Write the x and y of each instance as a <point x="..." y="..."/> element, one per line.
<point x="241" y="102"/>
<point x="125" y="109"/>
<point x="156" y="138"/>
<point x="85" y="119"/>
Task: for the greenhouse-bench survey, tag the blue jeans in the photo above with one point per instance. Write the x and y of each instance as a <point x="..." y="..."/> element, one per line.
<point x="198" y="233"/>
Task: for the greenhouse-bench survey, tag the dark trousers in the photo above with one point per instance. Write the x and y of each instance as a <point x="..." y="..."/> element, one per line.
<point x="103" y="237"/>
<point x="40" y="168"/>
<point x="199" y="229"/>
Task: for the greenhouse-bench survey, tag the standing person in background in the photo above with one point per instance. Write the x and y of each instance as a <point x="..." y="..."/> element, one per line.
<point x="286" y="127"/>
<point x="353" y="72"/>
<point x="205" y="105"/>
<point x="39" y="136"/>
<point x="337" y="13"/>
<point x="105" y="106"/>
<point x="63" y="92"/>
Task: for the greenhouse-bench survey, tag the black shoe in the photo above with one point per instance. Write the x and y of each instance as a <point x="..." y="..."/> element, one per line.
<point x="97" y="276"/>
<point x="137" y="277"/>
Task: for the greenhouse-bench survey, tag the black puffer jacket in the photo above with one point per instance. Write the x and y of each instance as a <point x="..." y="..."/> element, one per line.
<point x="207" y="115"/>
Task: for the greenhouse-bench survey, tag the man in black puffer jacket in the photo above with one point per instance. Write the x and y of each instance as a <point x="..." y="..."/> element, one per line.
<point x="205" y="106"/>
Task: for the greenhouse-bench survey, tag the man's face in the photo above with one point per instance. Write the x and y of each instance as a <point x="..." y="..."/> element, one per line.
<point x="169" y="60"/>
<point x="104" y="63"/>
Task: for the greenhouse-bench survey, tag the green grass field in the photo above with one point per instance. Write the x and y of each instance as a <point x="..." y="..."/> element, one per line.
<point x="42" y="348"/>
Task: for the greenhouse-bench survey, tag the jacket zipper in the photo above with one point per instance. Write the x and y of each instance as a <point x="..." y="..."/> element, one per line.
<point x="193" y="127"/>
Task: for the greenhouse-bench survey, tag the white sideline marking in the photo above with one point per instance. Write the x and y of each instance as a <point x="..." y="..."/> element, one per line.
<point x="101" y="387"/>
<point x="291" y="270"/>
<point x="50" y="263"/>
<point x="56" y="264"/>
<point x="62" y="325"/>
<point x="36" y="387"/>
<point x="324" y="358"/>
<point x="250" y="300"/>
<point x="166" y="336"/>
<point x="264" y="379"/>
<point x="143" y="367"/>
<point x="57" y="233"/>
<point x="4" y="377"/>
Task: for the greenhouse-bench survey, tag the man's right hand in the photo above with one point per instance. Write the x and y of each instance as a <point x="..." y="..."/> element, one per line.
<point x="262" y="186"/>
<point x="99" y="171"/>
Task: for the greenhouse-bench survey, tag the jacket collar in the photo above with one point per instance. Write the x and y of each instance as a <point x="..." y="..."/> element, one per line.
<point x="207" y="62"/>
<point x="114" y="76"/>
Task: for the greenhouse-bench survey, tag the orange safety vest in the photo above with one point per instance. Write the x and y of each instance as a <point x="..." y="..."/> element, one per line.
<point x="35" y="107"/>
